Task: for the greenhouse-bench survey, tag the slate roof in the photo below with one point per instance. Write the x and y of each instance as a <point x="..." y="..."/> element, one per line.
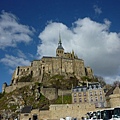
<point x="110" y="92"/>
<point x="95" y="85"/>
<point x="26" y="109"/>
<point x="60" y="47"/>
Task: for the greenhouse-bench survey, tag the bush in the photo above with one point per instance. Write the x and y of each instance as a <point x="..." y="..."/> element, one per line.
<point x="27" y="78"/>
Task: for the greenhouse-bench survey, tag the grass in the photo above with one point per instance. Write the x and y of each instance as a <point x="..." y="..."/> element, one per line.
<point x="66" y="99"/>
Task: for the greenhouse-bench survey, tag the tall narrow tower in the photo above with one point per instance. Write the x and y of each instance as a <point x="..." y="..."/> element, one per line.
<point x="60" y="49"/>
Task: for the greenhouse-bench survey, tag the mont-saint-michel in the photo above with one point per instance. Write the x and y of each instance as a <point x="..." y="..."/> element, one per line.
<point x="59" y="59"/>
<point x="62" y="64"/>
<point x="54" y="88"/>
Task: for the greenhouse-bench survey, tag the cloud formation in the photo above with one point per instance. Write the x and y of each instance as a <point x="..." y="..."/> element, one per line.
<point x="97" y="9"/>
<point x="12" y="62"/>
<point x="12" y="32"/>
<point x="91" y="41"/>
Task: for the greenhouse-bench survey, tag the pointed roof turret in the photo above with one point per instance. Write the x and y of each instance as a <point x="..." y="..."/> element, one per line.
<point x="60" y="43"/>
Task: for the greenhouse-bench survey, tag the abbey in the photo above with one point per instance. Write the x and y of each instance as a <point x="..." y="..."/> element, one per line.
<point x="63" y="63"/>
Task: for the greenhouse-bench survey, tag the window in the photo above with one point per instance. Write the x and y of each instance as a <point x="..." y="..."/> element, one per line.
<point x="80" y="100"/>
<point x="101" y="98"/>
<point x="95" y="93"/>
<point x="100" y="92"/>
<point x="96" y="98"/>
<point x="91" y="99"/>
<point x="84" y="93"/>
<point x="85" y="100"/>
<point x="79" y="94"/>
<point x="75" y="95"/>
<point x="75" y="100"/>
<point x="26" y="114"/>
<point x="90" y="93"/>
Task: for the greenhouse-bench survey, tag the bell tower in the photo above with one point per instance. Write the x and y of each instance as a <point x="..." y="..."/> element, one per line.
<point x="60" y="49"/>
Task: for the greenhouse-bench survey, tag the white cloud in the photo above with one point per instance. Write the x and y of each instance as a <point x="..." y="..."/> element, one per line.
<point x="12" y="32"/>
<point x="110" y="80"/>
<point x="97" y="9"/>
<point x="91" y="41"/>
<point x="21" y="54"/>
<point x="12" y="62"/>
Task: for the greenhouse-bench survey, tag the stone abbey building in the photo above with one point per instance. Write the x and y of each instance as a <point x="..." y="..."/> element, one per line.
<point x="63" y="63"/>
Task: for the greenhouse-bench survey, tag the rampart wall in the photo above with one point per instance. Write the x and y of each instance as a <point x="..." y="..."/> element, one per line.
<point x="72" y="110"/>
<point x="114" y="100"/>
<point x="51" y="65"/>
<point x="58" y="111"/>
<point x="50" y="93"/>
<point x="10" y="88"/>
<point x="64" y="92"/>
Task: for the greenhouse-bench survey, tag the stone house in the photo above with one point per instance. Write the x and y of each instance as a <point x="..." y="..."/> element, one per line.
<point x="92" y="93"/>
<point x="113" y="97"/>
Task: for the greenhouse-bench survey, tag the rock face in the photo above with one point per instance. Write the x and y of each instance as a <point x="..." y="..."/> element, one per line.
<point x="30" y="95"/>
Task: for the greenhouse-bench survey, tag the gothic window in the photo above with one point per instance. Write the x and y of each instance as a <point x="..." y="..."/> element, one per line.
<point x="31" y="72"/>
<point x="43" y="68"/>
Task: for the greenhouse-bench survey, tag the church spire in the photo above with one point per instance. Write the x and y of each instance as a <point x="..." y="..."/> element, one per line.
<point x="59" y="38"/>
<point x="60" y="49"/>
<point x="60" y="43"/>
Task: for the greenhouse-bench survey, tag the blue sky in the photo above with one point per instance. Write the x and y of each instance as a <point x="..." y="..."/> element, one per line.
<point x="30" y="29"/>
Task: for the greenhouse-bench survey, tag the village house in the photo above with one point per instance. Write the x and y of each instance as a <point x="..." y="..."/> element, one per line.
<point x="92" y="93"/>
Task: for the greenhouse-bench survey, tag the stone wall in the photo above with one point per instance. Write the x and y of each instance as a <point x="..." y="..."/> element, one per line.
<point x="64" y="92"/>
<point x="19" y="72"/>
<point x="50" y="93"/>
<point x="10" y="88"/>
<point x="72" y="110"/>
<point x="44" y="114"/>
<point x="58" y="111"/>
<point x="56" y="65"/>
<point x="89" y="72"/>
<point x="51" y="65"/>
<point x="114" y="100"/>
